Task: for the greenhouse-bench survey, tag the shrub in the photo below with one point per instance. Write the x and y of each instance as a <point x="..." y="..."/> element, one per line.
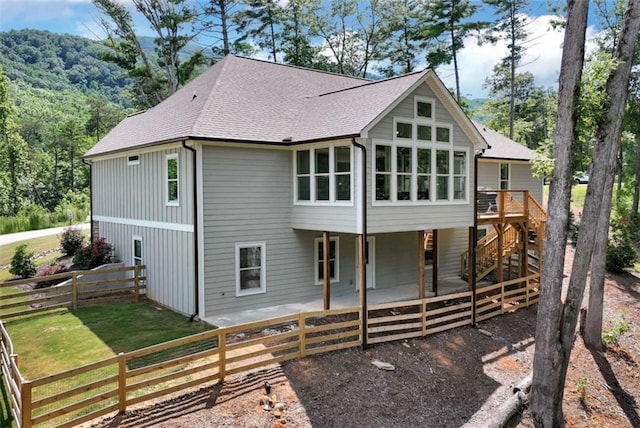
<point x="611" y="337"/>
<point x="71" y="241"/>
<point x="93" y="255"/>
<point x="52" y="269"/>
<point x="620" y="255"/>
<point x="22" y="263"/>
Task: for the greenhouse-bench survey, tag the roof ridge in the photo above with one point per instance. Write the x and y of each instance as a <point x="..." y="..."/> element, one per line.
<point x="331" y="73"/>
<point x="373" y="82"/>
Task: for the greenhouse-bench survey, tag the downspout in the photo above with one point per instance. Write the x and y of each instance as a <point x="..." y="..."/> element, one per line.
<point x="474" y="237"/>
<point x="364" y="238"/>
<point x="196" y="272"/>
<point x="89" y="164"/>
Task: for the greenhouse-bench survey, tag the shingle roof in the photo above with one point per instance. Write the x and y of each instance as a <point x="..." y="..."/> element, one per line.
<point x="502" y="147"/>
<point x="243" y="99"/>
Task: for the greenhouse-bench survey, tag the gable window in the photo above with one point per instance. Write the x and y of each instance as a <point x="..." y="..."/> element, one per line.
<point x="504" y="176"/>
<point x="172" y="179"/>
<point x="443" y="134"/>
<point x="250" y="268"/>
<point x="404" y="130"/>
<point x="334" y="260"/>
<point x="133" y="160"/>
<point x="383" y="172"/>
<point x="424" y="108"/>
<point x="424" y="132"/>
<point x="323" y="175"/>
<point x="137" y="251"/>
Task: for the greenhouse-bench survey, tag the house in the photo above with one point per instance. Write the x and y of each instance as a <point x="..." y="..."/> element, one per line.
<point x="256" y="184"/>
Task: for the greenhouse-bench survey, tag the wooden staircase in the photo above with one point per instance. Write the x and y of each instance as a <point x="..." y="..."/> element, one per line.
<point x="513" y="240"/>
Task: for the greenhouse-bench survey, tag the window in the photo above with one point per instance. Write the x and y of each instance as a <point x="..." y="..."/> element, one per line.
<point x="424" y="174"/>
<point x="133" y="160"/>
<point x="383" y="173"/>
<point x="137" y="251"/>
<point x="404" y="173"/>
<point x="459" y="175"/>
<point x="424" y="108"/>
<point x="323" y="175"/>
<point x="404" y="130"/>
<point x="172" y="179"/>
<point x="442" y="175"/>
<point x="303" y="173"/>
<point x="504" y="176"/>
<point x="424" y="132"/>
<point x="342" y="168"/>
<point x="333" y="260"/>
<point x="250" y="268"/>
<point x="443" y="135"/>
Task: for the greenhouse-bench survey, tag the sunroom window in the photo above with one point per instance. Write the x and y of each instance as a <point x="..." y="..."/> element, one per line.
<point x="442" y="175"/>
<point x="459" y="175"/>
<point x="323" y="175"/>
<point x="424" y="174"/>
<point x="404" y="173"/>
<point x="383" y="173"/>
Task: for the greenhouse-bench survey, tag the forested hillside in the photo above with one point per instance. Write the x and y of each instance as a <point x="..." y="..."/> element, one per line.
<point x="60" y="62"/>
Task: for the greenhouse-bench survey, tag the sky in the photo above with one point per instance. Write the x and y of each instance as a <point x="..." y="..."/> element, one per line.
<point x="542" y="58"/>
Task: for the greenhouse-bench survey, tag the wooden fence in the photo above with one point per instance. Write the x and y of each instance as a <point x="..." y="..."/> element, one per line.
<point x="114" y="384"/>
<point x="27" y="296"/>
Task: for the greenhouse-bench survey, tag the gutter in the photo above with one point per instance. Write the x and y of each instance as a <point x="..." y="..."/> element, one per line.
<point x="364" y="236"/>
<point x="90" y="165"/>
<point x="196" y="272"/>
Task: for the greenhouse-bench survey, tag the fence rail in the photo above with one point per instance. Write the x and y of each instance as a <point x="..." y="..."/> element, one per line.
<point x="114" y="384"/>
<point x="74" y="288"/>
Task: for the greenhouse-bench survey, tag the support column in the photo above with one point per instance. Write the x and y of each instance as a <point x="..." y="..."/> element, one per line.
<point x="421" y="276"/>
<point x="434" y="241"/>
<point x="500" y="270"/>
<point x="326" y="246"/>
<point x="362" y="284"/>
<point x="524" y="260"/>
<point x="471" y="265"/>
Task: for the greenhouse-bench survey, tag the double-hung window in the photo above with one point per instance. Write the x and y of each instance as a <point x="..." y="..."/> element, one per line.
<point x="323" y="175"/>
<point x="334" y="260"/>
<point x="504" y="176"/>
<point x="250" y="268"/>
<point x="172" y="179"/>
<point x="137" y="251"/>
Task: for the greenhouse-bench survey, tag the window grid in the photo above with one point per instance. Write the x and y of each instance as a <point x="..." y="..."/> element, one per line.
<point x="323" y="175"/>
<point x="250" y="268"/>
<point x="334" y="260"/>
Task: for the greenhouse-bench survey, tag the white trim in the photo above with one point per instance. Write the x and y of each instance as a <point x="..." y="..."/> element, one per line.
<point x="167" y="158"/>
<point x="316" y="261"/>
<point x="145" y="223"/>
<point x="263" y="268"/>
<point x="135" y="238"/>
<point x="133" y="162"/>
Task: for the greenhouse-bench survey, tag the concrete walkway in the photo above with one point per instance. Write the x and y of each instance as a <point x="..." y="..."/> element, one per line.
<point x="31" y="234"/>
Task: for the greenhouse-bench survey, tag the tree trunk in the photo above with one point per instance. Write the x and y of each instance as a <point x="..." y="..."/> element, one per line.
<point x="512" y="88"/>
<point x="555" y="332"/>
<point x="546" y="398"/>
<point x="636" y="191"/>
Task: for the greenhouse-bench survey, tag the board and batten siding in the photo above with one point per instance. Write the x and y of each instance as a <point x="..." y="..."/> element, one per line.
<point x="168" y="256"/>
<point x="130" y="200"/>
<point x="139" y="191"/>
<point x="398" y="217"/>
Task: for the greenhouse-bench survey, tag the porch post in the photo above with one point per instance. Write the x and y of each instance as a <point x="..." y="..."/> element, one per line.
<point x="326" y="243"/>
<point x="500" y="270"/>
<point x="362" y="287"/>
<point x="421" y="276"/>
<point x="524" y="260"/>
<point x="435" y="261"/>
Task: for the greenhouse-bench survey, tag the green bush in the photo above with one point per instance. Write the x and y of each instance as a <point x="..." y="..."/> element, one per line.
<point x="93" y="255"/>
<point x="22" y="263"/>
<point x="71" y="241"/>
<point x="620" y="250"/>
<point x="611" y="337"/>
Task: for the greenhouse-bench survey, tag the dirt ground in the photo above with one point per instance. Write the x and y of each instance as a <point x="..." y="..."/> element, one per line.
<point x="451" y="379"/>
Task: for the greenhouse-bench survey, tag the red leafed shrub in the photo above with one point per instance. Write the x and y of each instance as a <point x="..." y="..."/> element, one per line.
<point x="93" y="255"/>
<point x="48" y="271"/>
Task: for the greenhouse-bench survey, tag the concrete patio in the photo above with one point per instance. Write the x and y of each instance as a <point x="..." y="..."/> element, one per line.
<point x="338" y="301"/>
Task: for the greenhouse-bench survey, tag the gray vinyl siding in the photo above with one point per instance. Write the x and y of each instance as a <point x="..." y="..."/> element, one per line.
<point x="138" y="191"/>
<point x="168" y="256"/>
<point x="247" y="197"/>
<point x="396" y="259"/>
<point x="521" y="177"/>
<point x="397" y="218"/>
<point x="331" y="219"/>
<point x="451" y="244"/>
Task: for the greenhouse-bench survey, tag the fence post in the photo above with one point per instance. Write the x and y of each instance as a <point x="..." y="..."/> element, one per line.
<point x="74" y="290"/>
<point x="25" y="411"/>
<point x="136" y="282"/>
<point x="423" y="310"/>
<point x="122" y="382"/>
<point x="302" y="334"/>
<point x="222" y="351"/>
<point x="502" y="298"/>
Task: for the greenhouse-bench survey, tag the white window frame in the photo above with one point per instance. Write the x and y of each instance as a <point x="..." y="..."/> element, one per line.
<point x="333" y="201"/>
<point x="408" y="121"/>
<point x="167" y="180"/>
<point x="500" y="180"/>
<point x="316" y="260"/>
<point x="133" y="250"/>
<point x="263" y="268"/>
<point x="425" y="120"/>
<point x="133" y="160"/>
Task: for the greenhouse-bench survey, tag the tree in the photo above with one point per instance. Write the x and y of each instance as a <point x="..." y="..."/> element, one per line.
<point x="402" y="47"/>
<point x="296" y="43"/>
<point x="103" y="116"/>
<point x="445" y="26"/>
<point x="260" y="21"/>
<point x="219" y="20"/>
<point x="555" y="331"/>
<point x="13" y="150"/>
<point x="511" y="27"/>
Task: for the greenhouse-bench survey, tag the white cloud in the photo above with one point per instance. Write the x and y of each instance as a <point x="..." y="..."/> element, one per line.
<point x="542" y="58"/>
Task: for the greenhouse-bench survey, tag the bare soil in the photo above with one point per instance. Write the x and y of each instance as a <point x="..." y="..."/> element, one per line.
<point x="451" y="379"/>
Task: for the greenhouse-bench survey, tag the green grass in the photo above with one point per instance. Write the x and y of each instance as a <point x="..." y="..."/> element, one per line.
<point x="36" y="245"/>
<point x="578" y="192"/>
<point x="65" y="339"/>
